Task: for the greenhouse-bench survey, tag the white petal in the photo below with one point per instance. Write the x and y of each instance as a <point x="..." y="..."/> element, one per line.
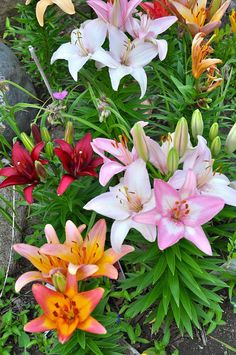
<point x="141" y="77"/>
<point x="103" y="57"/>
<point x="94" y="34"/>
<point x="117" y="42"/>
<point x="117" y="74"/>
<point x="160" y="25"/>
<point x="142" y="53"/>
<point x="65" y="51"/>
<point x="149" y="232"/>
<point x="119" y="231"/>
<point x="162" y="48"/>
<point x="75" y="63"/>
<point x="219" y="189"/>
<point x="197" y="236"/>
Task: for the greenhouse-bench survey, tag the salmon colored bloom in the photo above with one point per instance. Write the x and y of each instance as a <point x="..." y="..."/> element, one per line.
<point x="156" y="9"/>
<point x="23" y="170"/>
<point x="65" y="5"/>
<point x="197" y="17"/>
<point x="47" y="265"/>
<point x="66" y="311"/>
<point x="200" y="49"/>
<point x="89" y="251"/>
<point x="232" y="19"/>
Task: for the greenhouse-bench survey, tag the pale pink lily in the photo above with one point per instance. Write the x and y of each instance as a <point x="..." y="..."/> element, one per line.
<point x="85" y="44"/>
<point x="147" y="29"/>
<point x="130" y="58"/>
<point x="126" y="200"/>
<point x="119" y="150"/>
<point x="115" y="12"/>
<point x="209" y="182"/>
<point x="180" y="214"/>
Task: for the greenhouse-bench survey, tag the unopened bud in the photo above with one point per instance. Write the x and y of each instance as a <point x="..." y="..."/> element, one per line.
<point x="49" y="150"/>
<point x="139" y="139"/>
<point x="69" y="132"/>
<point x="197" y="124"/>
<point x="27" y="141"/>
<point x="214" y="130"/>
<point x="45" y="135"/>
<point x="36" y="133"/>
<point x="230" y="144"/>
<point x="172" y="160"/>
<point x="40" y="170"/>
<point x="181" y="136"/>
<point x="216" y="146"/>
<point x="214" y="6"/>
<point x="59" y="281"/>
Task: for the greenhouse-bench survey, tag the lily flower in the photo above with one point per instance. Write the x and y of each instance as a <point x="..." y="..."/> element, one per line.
<point x="66" y="311"/>
<point x="209" y="182"/>
<point x="86" y="43"/>
<point x="195" y="14"/>
<point x="47" y="265"/>
<point x="65" y="5"/>
<point x="23" y="170"/>
<point x="130" y="58"/>
<point x="200" y="50"/>
<point x="180" y="214"/>
<point x="89" y="251"/>
<point x="156" y="9"/>
<point x="115" y="12"/>
<point x="130" y="197"/>
<point x="77" y="161"/>
<point x="119" y="150"/>
<point x="232" y="19"/>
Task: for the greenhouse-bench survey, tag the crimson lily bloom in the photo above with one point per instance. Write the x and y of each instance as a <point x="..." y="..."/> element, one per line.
<point x="77" y="161"/>
<point x="23" y="170"/>
<point x="66" y="311"/>
<point x="156" y="9"/>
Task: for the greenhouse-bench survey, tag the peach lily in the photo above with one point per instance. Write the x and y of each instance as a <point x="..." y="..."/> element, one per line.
<point x="66" y="311"/>
<point x="65" y="5"/>
<point x="89" y="251"/>
<point x="232" y="19"/>
<point x="47" y="266"/>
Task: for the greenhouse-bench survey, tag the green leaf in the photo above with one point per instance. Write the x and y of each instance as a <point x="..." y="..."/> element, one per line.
<point x="81" y="339"/>
<point x="173" y="283"/>
<point x="159" y="268"/>
<point x="93" y="347"/>
<point x="170" y="258"/>
<point x="185" y="301"/>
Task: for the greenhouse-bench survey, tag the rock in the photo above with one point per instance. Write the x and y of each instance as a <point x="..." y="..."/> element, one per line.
<point x="10" y="69"/>
<point x="6" y="228"/>
<point x="7" y="9"/>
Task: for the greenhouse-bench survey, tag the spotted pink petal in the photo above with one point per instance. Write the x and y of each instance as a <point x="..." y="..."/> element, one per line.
<point x="40" y="324"/>
<point x="91" y="325"/>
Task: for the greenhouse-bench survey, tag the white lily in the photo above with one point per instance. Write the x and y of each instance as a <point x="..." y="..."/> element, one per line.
<point x="130" y="197"/>
<point x="85" y="44"/>
<point x="209" y="182"/>
<point x="130" y="58"/>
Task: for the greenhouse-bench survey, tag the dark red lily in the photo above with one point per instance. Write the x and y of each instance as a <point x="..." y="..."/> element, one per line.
<point x="156" y="9"/>
<point x="23" y="170"/>
<point x="77" y="161"/>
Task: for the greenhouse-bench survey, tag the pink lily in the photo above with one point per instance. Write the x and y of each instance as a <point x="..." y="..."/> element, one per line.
<point x="126" y="200"/>
<point x="123" y="156"/>
<point x="209" y="182"/>
<point x="180" y="214"/>
<point x="115" y="12"/>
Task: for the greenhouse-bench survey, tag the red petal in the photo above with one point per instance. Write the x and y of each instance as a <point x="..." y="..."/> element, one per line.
<point x="66" y="147"/>
<point x="84" y="145"/>
<point x="28" y="193"/>
<point x="15" y="180"/>
<point x="9" y="171"/>
<point x="20" y="154"/>
<point x="87" y="172"/>
<point x="65" y="159"/>
<point x="64" y="184"/>
<point x="96" y="162"/>
<point x="37" y="150"/>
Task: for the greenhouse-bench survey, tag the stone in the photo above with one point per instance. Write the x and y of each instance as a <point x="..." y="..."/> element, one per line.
<point x="10" y="69"/>
<point x="7" y="9"/>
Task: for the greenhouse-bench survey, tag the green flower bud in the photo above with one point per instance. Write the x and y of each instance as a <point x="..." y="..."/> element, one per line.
<point x="27" y="141"/>
<point x="213" y="131"/>
<point x="197" y="124"/>
<point x="41" y="171"/>
<point x="139" y="139"/>
<point x="45" y="134"/>
<point x="216" y="146"/>
<point x="172" y="160"/>
<point x="181" y="136"/>
<point x="59" y="281"/>
<point x="230" y="144"/>
<point x="69" y="132"/>
<point x="49" y="149"/>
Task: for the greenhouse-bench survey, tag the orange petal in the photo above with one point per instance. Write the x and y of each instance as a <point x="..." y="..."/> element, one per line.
<point x="87" y="301"/>
<point x="61" y="251"/>
<point x="28" y="277"/>
<point x="220" y="12"/>
<point x="47" y="298"/>
<point x="65" y="330"/>
<point x="40" y="10"/>
<point x="71" y="280"/>
<point x="107" y="270"/>
<point x="91" y="325"/>
<point x="66" y="6"/>
<point x="95" y="241"/>
<point x="210" y="27"/>
<point x="184" y="11"/>
<point x="40" y="324"/>
<point x="72" y="234"/>
<point x="85" y="271"/>
<point x="51" y="234"/>
<point x="32" y="253"/>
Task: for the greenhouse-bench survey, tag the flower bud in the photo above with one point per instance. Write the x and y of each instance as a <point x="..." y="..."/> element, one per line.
<point x="230" y="144"/>
<point x="69" y="132"/>
<point x="181" y="136"/>
<point x="216" y="146"/>
<point x="213" y="131"/>
<point x="139" y="139"/>
<point x="49" y="149"/>
<point x="214" y="6"/>
<point x="232" y="19"/>
<point x="36" y="133"/>
<point x="27" y="141"/>
<point x="197" y="124"/>
<point x="45" y="135"/>
<point x="59" y="281"/>
<point x="172" y="160"/>
<point x="40" y="170"/>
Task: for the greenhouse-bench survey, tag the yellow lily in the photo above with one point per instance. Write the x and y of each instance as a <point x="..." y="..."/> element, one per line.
<point x="232" y="19"/>
<point x="65" y="5"/>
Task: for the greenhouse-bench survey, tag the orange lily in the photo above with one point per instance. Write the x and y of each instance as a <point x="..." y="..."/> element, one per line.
<point x="48" y="265"/>
<point x="65" y="5"/>
<point x="232" y="19"/>
<point x="77" y="251"/>
<point x="195" y="14"/>
<point x="200" y="50"/>
<point x="66" y="311"/>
